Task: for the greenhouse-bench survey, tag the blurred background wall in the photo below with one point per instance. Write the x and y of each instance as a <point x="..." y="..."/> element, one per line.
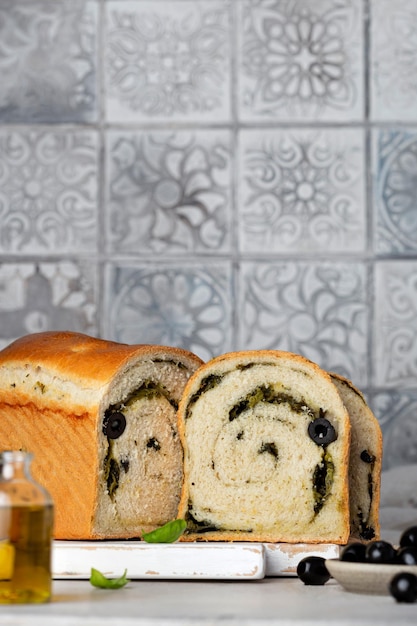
<point x="217" y="175"/>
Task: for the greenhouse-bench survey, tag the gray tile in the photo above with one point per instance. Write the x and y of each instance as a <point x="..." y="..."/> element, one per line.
<point x="393" y="60"/>
<point x="396" y="411"/>
<point x="395" y="190"/>
<point x="35" y="297"/>
<point x="48" y="61"/>
<point x="315" y="309"/>
<point x="395" y="324"/>
<point x="301" y="60"/>
<point x="187" y="306"/>
<point x="169" y="192"/>
<point x="167" y="60"/>
<point x="48" y="191"/>
<point x="302" y="191"/>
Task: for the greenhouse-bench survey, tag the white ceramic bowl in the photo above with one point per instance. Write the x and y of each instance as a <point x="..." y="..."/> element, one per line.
<point x="365" y="577"/>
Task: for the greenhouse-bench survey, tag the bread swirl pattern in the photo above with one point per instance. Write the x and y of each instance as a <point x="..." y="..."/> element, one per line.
<point x="266" y="441"/>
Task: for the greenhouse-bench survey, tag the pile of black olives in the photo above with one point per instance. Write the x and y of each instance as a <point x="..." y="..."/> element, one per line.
<point x="403" y="587"/>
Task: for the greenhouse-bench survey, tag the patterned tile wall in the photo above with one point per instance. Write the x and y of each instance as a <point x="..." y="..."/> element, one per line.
<point x="217" y="175"/>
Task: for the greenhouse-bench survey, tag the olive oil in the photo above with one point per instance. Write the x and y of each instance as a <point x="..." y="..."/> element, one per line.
<point x="26" y="527"/>
<point x="25" y="555"/>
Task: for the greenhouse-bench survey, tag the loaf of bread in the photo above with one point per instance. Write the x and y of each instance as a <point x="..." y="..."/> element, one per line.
<point x="100" y="419"/>
<point x="266" y="441"/>
<point x="365" y="462"/>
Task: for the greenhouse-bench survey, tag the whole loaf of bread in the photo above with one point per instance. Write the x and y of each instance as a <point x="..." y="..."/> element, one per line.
<point x="100" y="419"/>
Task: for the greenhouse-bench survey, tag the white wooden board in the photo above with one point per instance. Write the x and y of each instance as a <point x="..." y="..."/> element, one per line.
<point x="282" y="558"/>
<point x="211" y="560"/>
<point x="74" y="559"/>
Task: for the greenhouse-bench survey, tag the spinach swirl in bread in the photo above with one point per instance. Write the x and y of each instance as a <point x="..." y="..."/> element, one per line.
<point x="266" y="441"/>
<point x="100" y="419"/>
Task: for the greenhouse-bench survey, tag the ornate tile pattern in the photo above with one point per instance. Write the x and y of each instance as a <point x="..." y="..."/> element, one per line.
<point x="169" y="192"/>
<point x="48" y="60"/>
<point x="179" y="305"/>
<point x="394" y="60"/>
<point x="217" y="175"/>
<point x="395" y="326"/>
<point x="396" y="412"/>
<point x="35" y="297"/>
<point x="395" y="176"/>
<point x="301" y="60"/>
<point x="318" y="310"/>
<point x="48" y="191"/>
<point x="167" y="60"/>
<point x="302" y="191"/>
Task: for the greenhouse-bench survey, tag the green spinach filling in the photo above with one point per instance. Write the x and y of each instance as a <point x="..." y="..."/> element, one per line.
<point x="149" y="389"/>
<point x="365" y="530"/>
<point x="322" y="481"/>
<point x="267" y="393"/>
<point x="204" y="526"/>
<point x="111" y="471"/>
<point x="209" y="382"/>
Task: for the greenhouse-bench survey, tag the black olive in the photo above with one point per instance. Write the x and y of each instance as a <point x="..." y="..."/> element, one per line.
<point x="367" y="457"/>
<point x="312" y="570"/>
<point x="114" y="425"/>
<point x="403" y="587"/>
<point x="353" y="552"/>
<point x="409" y="537"/>
<point x="407" y="555"/>
<point x="380" y="552"/>
<point x="153" y="443"/>
<point x="321" y="431"/>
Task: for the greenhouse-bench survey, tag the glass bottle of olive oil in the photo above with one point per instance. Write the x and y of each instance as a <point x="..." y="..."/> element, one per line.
<point x="26" y="526"/>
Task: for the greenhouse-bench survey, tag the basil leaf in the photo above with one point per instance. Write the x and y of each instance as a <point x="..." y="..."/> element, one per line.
<point x="97" y="579"/>
<point x="168" y="533"/>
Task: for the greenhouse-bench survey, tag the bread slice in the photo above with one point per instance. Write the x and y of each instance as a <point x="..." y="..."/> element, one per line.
<point x="365" y="462"/>
<point x="266" y="441"/>
<point x="100" y="419"/>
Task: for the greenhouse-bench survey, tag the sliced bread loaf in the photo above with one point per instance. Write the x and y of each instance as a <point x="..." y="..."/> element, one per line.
<point x="365" y="462"/>
<point x="266" y="442"/>
<point x="100" y="419"/>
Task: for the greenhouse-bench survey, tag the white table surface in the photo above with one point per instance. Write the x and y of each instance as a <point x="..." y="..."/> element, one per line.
<point x="265" y="602"/>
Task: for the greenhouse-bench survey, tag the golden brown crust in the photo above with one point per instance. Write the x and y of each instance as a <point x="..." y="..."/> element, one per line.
<point x="81" y="358"/>
<point x="51" y="440"/>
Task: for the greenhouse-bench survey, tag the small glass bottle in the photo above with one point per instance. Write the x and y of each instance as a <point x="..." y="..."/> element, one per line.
<point x="26" y="527"/>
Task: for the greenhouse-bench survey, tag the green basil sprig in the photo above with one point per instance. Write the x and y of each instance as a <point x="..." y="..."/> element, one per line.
<point x="168" y="533"/>
<point x="97" y="579"/>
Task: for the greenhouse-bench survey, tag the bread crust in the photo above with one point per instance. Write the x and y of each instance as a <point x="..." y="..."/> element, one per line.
<point x="54" y="388"/>
<point x="364" y="478"/>
<point x="88" y="361"/>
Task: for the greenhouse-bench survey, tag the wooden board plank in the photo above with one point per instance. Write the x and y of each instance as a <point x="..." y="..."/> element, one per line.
<point x="282" y="558"/>
<point x="211" y="560"/>
<point x="242" y="561"/>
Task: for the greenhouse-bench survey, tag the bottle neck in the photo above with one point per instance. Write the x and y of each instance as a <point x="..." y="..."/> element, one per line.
<point x="15" y="464"/>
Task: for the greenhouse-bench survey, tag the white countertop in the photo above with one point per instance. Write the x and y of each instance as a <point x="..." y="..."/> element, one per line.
<point x="265" y="602"/>
<point x="275" y="601"/>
